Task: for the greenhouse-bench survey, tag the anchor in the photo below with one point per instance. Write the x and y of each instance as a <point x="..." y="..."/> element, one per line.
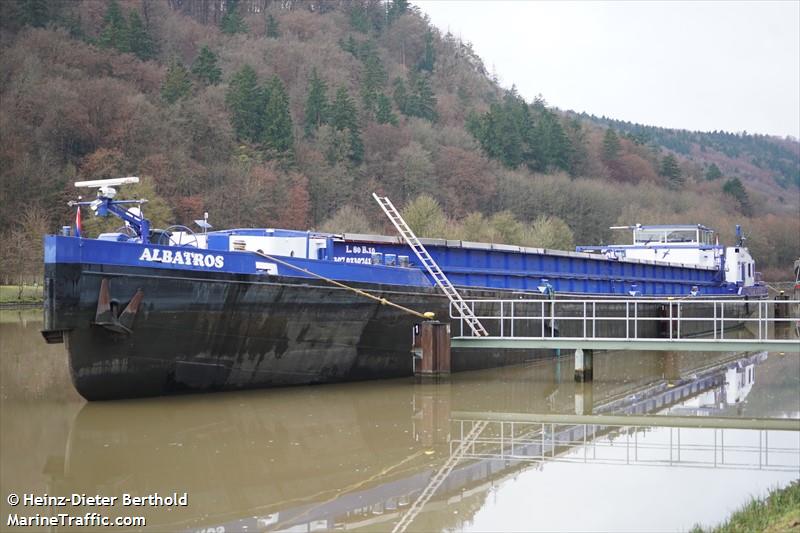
<point x="106" y="316"/>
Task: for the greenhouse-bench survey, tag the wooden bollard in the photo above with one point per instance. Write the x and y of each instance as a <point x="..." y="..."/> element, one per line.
<point x="584" y="365"/>
<point x="435" y="350"/>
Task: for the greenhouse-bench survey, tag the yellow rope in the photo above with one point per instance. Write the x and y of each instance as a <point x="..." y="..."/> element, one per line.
<point x="383" y="301"/>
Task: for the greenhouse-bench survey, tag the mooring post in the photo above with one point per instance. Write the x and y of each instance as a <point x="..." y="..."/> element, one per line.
<point x="583" y="365"/>
<point x="435" y="338"/>
<point x="782" y="309"/>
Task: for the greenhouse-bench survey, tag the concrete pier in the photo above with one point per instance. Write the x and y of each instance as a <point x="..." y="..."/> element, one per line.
<point x="584" y="365"/>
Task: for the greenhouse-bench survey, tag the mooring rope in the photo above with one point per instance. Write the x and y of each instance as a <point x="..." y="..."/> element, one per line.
<point x="383" y="301"/>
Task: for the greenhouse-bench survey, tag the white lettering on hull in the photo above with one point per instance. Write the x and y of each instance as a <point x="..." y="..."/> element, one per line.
<point x="177" y="257"/>
<point x="357" y="260"/>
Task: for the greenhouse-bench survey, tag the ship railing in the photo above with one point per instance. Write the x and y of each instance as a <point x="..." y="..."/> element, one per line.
<point x="632" y="319"/>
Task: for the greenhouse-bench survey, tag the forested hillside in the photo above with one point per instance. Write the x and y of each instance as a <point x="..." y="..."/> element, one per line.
<point x="290" y="113"/>
<point x="759" y="157"/>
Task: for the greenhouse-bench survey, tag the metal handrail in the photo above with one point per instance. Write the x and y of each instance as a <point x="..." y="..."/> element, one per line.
<point x="548" y="442"/>
<point x="508" y="312"/>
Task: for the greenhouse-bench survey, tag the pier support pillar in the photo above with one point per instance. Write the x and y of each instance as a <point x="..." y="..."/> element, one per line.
<point x="782" y="309"/>
<point x="435" y="340"/>
<point x="671" y="366"/>
<point x="584" y="398"/>
<point x="584" y="365"/>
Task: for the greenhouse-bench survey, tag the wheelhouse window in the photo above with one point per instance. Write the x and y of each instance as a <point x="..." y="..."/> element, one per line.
<point x="672" y="235"/>
<point x="643" y="236"/>
<point x="682" y="236"/>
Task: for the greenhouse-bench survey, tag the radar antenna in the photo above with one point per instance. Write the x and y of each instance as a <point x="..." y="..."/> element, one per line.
<point x="105" y="204"/>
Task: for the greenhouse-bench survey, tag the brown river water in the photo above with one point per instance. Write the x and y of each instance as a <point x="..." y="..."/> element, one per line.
<point x="521" y="448"/>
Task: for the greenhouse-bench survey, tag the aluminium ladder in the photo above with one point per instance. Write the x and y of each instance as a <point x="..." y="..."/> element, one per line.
<point x="437" y="480"/>
<point x="430" y="265"/>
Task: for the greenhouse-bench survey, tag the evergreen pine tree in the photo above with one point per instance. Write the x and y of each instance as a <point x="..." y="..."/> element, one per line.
<point x="670" y="170"/>
<point x="205" y="67"/>
<point x="521" y="139"/>
<point x="276" y="126"/>
<point x="72" y="23"/>
<point x="176" y="84"/>
<point x="515" y="135"/>
<point x="429" y="55"/>
<point x="343" y="110"/>
<point x="272" y="27"/>
<point x="735" y="188"/>
<point x="115" y="29"/>
<point x="350" y="45"/>
<point x="316" y="104"/>
<point x="396" y="9"/>
<point x="34" y="13"/>
<point x="556" y="153"/>
<point x="359" y="18"/>
<point x="500" y="135"/>
<point x="140" y="42"/>
<point x="611" y="146"/>
<point x="422" y="102"/>
<point x="384" y="114"/>
<point x="232" y="21"/>
<point x="344" y="118"/>
<point x="514" y="132"/>
<point x="400" y="95"/>
<point x="713" y="172"/>
<point x="244" y="100"/>
<point x="373" y="79"/>
<point x="356" y="153"/>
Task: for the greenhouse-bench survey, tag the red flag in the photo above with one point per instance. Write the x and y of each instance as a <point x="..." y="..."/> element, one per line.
<point x="78" y="226"/>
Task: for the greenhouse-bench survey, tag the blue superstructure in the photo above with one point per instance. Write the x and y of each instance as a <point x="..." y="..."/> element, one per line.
<point x="60" y="249"/>
<point x="678" y="260"/>
<point x="381" y="259"/>
<point x="517" y="268"/>
<point x="388" y="260"/>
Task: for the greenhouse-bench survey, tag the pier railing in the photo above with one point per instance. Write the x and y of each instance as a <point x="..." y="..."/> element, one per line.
<point x="640" y="319"/>
<point x="631" y="443"/>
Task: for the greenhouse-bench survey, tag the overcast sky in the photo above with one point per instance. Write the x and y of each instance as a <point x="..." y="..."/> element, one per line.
<point x="732" y="66"/>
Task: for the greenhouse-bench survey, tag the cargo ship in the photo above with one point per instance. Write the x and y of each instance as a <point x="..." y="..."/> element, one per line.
<point x="147" y="312"/>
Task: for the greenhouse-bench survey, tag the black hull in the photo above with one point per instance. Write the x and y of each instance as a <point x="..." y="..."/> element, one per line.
<point x="202" y="332"/>
<point x="225" y="332"/>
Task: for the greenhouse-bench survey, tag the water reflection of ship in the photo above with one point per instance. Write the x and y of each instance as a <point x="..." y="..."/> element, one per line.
<point x="739" y="379"/>
<point x="306" y="460"/>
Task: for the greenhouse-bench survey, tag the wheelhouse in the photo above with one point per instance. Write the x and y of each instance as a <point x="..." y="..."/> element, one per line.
<point x="691" y="234"/>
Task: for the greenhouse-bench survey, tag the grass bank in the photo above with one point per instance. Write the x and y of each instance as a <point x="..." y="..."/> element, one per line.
<point x="778" y="512"/>
<point x="10" y="294"/>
